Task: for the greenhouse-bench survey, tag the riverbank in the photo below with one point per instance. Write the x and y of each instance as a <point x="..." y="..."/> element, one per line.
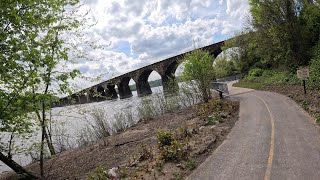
<point x="140" y="152"/>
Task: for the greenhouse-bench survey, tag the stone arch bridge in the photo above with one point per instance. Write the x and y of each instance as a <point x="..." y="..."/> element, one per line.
<point x="106" y="90"/>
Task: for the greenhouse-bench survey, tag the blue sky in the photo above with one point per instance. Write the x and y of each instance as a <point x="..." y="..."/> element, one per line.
<point x="141" y="32"/>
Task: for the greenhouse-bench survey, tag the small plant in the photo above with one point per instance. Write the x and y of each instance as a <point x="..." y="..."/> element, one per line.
<point x="191" y="164"/>
<point x="212" y="120"/>
<point x="146" y="152"/>
<point x="171" y="147"/>
<point x="100" y="173"/>
<point x="318" y="119"/>
<point x="204" y="110"/>
<point x="305" y="105"/>
<point x="146" y="109"/>
<point x="101" y="125"/>
<point x="123" y="172"/>
<point x="177" y="176"/>
<point x="164" y="138"/>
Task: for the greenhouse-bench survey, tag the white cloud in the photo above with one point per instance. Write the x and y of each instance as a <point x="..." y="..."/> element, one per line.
<point x="143" y="32"/>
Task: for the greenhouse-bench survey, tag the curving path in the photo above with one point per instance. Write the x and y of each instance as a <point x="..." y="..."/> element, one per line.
<point x="273" y="139"/>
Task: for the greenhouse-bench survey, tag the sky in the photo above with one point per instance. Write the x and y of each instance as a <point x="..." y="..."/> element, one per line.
<point x="141" y="32"/>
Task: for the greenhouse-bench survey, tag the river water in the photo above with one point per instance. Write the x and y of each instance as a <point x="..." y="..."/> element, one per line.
<point x="69" y="121"/>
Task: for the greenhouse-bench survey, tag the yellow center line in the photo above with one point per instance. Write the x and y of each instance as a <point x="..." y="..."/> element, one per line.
<point x="267" y="174"/>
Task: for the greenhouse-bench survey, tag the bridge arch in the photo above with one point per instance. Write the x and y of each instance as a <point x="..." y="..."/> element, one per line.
<point x="124" y="87"/>
<point x="100" y="94"/>
<point x="142" y="84"/>
<point x="168" y="78"/>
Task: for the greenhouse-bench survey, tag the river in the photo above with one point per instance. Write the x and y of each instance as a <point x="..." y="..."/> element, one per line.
<point x="68" y="122"/>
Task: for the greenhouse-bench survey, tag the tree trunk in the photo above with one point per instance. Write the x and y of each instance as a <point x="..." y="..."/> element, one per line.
<point x="43" y="126"/>
<point x="49" y="142"/>
<point x="24" y="174"/>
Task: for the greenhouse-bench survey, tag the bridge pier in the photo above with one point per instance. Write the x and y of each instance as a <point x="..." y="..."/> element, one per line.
<point x="101" y="94"/>
<point x="111" y="92"/>
<point x="124" y="90"/>
<point x="83" y="99"/>
<point x="143" y="88"/>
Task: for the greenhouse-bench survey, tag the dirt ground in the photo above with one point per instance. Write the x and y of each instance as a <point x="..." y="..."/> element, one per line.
<point x="125" y="150"/>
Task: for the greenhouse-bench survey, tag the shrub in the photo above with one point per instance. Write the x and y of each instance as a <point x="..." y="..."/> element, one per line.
<point x="101" y="126"/>
<point x="164" y="138"/>
<point x="172" y="148"/>
<point x="191" y="164"/>
<point x="100" y="173"/>
<point x="146" y="152"/>
<point x="204" y="110"/>
<point x="254" y="73"/>
<point x="146" y="109"/>
<point x="314" y="79"/>
<point x="122" y="121"/>
<point x="212" y="120"/>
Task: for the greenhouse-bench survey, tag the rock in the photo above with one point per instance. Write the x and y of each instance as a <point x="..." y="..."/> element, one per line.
<point x="201" y="128"/>
<point x="180" y="166"/>
<point x="113" y="173"/>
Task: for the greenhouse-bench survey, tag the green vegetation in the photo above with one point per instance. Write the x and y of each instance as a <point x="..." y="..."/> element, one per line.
<point x="282" y="35"/>
<point x="173" y="146"/>
<point x="314" y="79"/>
<point x="100" y="173"/>
<point x="198" y="68"/>
<point x="224" y="68"/>
<point x="258" y="78"/>
<point x="32" y="47"/>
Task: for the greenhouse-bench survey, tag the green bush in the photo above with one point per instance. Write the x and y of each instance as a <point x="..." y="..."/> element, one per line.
<point x="254" y="73"/>
<point x="100" y="173"/>
<point x="164" y="138"/>
<point x="173" y="147"/>
<point x="314" y="79"/>
<point x="265" y="77"/>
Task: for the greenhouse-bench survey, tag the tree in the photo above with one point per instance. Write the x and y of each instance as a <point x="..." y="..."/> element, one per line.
<point x="32" y="46"/>
<point x="198" y="68"/>
<point x="223" y="67"/>
<point x="281" y="34"/>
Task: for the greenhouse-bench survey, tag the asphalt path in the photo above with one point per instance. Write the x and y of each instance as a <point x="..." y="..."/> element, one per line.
<point x="273" y="139"/>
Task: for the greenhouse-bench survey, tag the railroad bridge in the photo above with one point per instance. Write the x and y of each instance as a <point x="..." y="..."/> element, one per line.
<point x="106" y="90"/>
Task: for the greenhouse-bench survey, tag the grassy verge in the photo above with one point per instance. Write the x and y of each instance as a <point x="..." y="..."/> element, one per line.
<point x="251" y="85"/>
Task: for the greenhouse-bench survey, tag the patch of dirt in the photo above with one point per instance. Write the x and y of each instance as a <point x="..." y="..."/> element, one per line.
<point x="121" y="150"/>
<point x="310" y="101"/>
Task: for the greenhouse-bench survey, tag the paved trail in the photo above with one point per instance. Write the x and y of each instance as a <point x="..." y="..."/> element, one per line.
<point x="273" y="139"/>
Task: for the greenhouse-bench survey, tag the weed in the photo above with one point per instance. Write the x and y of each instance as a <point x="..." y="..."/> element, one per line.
<point x="171" y="147"/>
<point x="191" y="164"/>
<point x="212" y="120"/>
<point x="100" y="173"/>
<point x="305" y="105"/>
<point x="164" y="138"/>
<point x="318" y="119"/>
<point x="146" y="152"/>
<point x="177" y="176"/>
